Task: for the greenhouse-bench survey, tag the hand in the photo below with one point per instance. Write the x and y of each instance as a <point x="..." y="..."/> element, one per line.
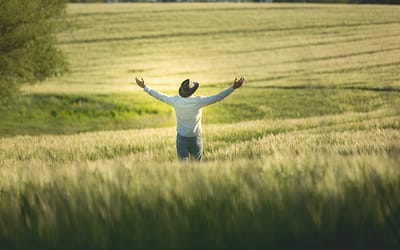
<point x="238" y="83"/>
<point x="140" y="82"/>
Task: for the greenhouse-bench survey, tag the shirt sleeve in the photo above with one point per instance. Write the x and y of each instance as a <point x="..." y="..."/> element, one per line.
<point x="160" y="96"/>
<point x="208" y="100"/>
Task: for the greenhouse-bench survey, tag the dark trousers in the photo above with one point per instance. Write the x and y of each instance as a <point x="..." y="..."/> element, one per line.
<point x="186" y="146"/>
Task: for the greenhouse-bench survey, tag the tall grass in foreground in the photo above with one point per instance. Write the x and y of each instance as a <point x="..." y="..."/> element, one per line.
<point x="325" y="183"/>
<point x="283" y="201"/>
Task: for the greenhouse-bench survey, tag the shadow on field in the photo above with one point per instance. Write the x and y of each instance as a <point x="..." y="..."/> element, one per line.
<point x="66" y="114"/>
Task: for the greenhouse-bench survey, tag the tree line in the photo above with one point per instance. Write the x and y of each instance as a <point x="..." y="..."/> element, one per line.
<point x="287" y="1"/>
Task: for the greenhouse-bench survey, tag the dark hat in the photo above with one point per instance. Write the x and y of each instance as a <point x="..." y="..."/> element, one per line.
<point x="188" y="88"/>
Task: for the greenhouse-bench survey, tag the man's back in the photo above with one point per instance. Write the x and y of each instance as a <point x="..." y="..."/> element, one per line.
<point x="188" y="115"/>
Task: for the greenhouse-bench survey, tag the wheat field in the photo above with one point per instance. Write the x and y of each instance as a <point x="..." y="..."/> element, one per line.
<point x="305" y="155"/>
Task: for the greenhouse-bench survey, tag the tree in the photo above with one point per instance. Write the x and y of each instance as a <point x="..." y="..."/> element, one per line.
<point x="28" y="51"/>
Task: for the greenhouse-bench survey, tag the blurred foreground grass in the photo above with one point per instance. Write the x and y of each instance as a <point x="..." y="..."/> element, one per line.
<point x="282" y="201"/>
<point x="330" y="182"/>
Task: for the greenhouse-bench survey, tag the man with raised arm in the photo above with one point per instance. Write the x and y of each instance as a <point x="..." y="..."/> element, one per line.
<point x="188" y="111"/>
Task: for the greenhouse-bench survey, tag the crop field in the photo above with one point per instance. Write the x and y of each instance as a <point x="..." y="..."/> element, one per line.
<point x="305" y="155"/>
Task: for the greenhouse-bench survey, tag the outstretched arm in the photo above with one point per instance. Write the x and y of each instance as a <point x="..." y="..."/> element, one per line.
<point x="218" y="97"/>
<point x="154" y="93"/>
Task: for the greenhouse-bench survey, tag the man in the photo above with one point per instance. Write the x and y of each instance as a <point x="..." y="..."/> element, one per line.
<point x="188" y="111"/>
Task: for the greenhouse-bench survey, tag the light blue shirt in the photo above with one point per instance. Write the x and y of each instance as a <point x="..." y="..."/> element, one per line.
<point x="188" y="110"/>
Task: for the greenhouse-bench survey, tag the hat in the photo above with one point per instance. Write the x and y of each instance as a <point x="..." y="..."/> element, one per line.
<point x="188" y="88"/>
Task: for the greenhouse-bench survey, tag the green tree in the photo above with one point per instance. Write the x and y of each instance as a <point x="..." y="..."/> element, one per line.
<point x="28" y="51"/>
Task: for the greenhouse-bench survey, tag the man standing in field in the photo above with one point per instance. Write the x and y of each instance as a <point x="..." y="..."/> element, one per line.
<point x="188" y="111"/>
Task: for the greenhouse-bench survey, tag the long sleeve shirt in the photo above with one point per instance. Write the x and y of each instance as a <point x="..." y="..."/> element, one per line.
<point x="188" y="110"/>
